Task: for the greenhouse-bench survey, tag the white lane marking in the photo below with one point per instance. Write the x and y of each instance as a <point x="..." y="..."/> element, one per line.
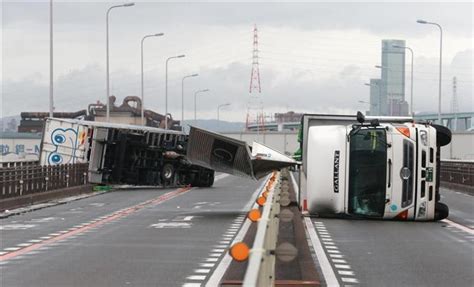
<point x="11" y="248"/>
<point x="16" y="226"/>
<point x="218" y="273"/>
<point x="202" y="271"/>
<point x="326" y="268"/>
<point x="192" y="285"/>
<point x="459" y="226"/>
<point x="171" y="225"/>
<point x="336" y="255"/>
<point x="339" y="261"/>
<point x="44" y="219"/>
<point x="2" y="253"/>
<point x="196" y="277"/>
<point x="326" y="239"/>
<point x="345" y="272"/>
<point x="208" y="265"/>
<point x="44" y="237"/>
<point x="188" y="218"/>
<point x="221" y="176"/>
<point x="221" y="246"/>
<point x="349" y="280"/>
<point x="215" y="254"/>
<point x="54" y="234"/>
<point x="24" y="244"/>
<point x="334" y="251"/>
<point x="217" y="250"/>
<point x="37" y="240"/>
<point x="328" y="243"/>
<point x="211" y="259"/>
<point x="331" y="247"/>
<point x="342" y="266"/>
<point x="224" y="242"/>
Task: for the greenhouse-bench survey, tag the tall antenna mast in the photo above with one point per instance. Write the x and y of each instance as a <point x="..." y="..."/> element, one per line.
<point x="255" y="74"/>
<point x="255" y="102"/>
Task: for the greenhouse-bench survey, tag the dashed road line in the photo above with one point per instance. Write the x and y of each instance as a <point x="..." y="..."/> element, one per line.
<point x="344" y="270"/>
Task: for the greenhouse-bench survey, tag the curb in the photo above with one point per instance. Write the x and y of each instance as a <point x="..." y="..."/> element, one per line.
<point x="38" y="206"/>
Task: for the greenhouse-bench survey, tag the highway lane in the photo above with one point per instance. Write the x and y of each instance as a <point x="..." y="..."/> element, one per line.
<point x="385" y="253"/>
<point x="169" y="241"/>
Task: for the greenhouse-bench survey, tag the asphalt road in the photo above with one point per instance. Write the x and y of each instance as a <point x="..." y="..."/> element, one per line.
<point x="385" y="253"/>
<point x="155" y="237"/>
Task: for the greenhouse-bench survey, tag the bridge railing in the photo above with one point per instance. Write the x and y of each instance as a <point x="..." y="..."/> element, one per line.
<point x="457" y="174"/>
<point x="28" y="179"/>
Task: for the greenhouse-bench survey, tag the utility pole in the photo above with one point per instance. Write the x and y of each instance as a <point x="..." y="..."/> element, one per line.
<point x="51" y="74"/>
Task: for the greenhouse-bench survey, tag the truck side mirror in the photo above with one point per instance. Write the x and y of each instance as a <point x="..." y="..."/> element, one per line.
<point x="360" y="117"/>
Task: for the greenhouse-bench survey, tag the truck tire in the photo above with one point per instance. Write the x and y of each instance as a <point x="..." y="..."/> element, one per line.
<point x="204" y="179"/>
<point x="167" y="173"/>
<point x="443" y="135"/>
<point x="210" y="179"/>
<point x="441" y="211"/>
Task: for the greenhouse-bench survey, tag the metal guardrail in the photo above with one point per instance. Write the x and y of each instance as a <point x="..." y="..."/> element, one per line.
<point x="33" y="178"/>
<point x="261" y="266"/>
<point x="457" y="172"/>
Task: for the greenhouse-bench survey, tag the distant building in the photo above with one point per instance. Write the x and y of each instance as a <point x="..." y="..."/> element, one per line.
<point x="376" y="99"/>
<point x="289" y="121"/>
<point x="288" y="117"/>
<point x="393" y="79"/>
<point x="129" y="112"/>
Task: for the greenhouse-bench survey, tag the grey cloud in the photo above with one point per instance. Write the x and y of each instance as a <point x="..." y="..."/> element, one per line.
<point x="375" y="17"/>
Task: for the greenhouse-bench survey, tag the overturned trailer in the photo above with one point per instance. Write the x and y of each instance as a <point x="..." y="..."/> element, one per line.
<point x="122" y="154"/>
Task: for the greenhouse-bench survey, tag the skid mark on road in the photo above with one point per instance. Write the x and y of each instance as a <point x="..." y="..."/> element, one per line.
<point x="53" y="238"/>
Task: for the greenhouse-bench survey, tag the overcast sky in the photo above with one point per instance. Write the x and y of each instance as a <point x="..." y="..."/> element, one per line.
<point x="314" y="57"/>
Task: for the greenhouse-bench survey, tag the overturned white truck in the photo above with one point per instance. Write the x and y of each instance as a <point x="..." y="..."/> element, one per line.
<point x="384" y="168"/>
<point x="122" y="154"/>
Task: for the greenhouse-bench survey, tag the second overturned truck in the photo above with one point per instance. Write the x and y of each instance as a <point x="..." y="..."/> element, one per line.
<point x="122" y="154"/>
<point x="385" y="168"/>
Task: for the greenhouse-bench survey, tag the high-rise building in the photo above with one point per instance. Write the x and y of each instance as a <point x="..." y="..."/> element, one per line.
<point x="376" y="100"/>
<point x="393" y="78"/>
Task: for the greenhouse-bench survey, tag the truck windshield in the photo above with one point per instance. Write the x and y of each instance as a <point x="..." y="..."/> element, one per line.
<point x="367" y="172"/>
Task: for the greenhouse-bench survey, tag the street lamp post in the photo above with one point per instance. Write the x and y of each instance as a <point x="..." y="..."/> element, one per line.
<point x="367" y="103"/>
<point x="218" y="108"/>
<point x="182" y="96"/>
<point x="411" y="80"/>
<point x="142" y="88"/>
<point x="51" y="98"/>
<point x="166" y="87"/>
<point x="440" y="63"/>
<point x="195" y="94"/>
<point x="107" y="53"/>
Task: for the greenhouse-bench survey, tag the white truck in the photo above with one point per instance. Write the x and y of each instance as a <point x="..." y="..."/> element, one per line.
<point x="122" y="154"/>
<point x="383" y="168"/>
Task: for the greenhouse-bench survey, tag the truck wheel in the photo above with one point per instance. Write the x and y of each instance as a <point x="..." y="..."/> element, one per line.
<point x="441" y="211"/>
<point x="443" y="135"/>
<point x="167" y="172"/>
<point x="209" y="179"/>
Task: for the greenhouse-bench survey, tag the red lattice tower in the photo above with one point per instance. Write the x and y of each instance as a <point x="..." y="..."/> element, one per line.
<point x="255" y="82"/>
